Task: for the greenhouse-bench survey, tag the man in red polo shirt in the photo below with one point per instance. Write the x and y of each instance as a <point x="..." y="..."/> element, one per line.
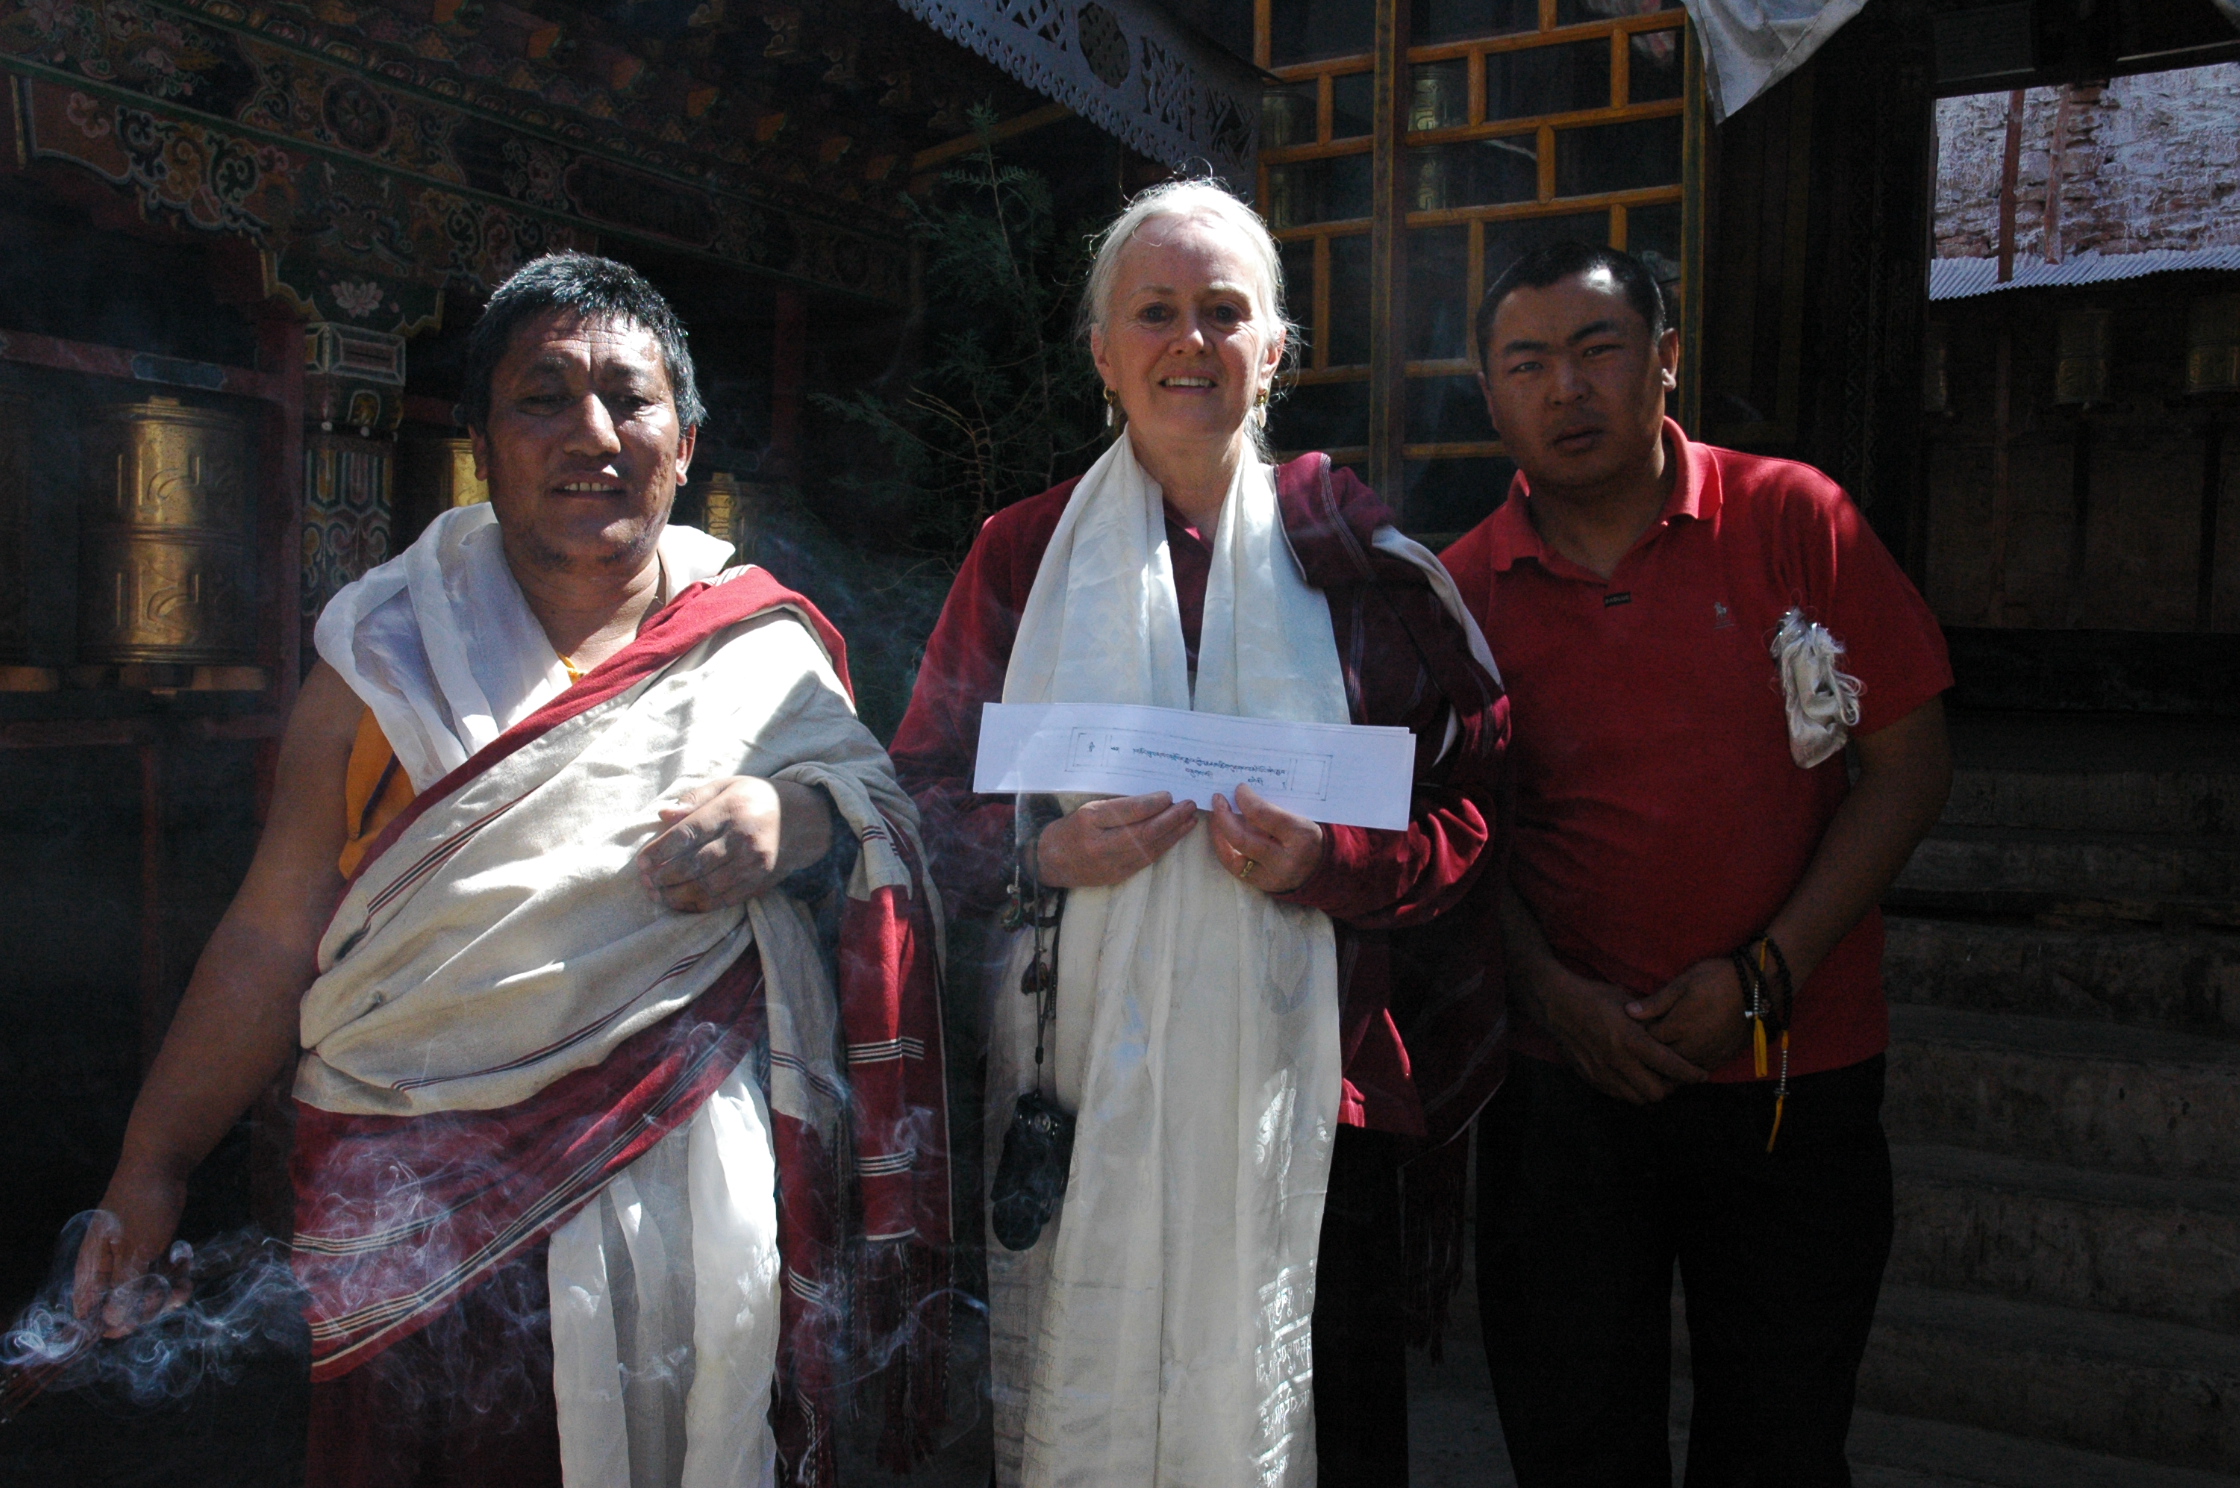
<point x="1676" y="869"/>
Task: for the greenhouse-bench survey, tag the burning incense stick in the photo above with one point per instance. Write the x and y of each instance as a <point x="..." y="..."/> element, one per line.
<point x="22" y="1383"/>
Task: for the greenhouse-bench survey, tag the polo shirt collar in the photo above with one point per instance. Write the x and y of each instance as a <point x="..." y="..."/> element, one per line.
<point x="1695" y="495"/>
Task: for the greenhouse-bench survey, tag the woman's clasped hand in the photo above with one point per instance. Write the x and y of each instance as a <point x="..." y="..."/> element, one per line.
<point x="1111" y="841"/>
<point x="1272" y="849"/>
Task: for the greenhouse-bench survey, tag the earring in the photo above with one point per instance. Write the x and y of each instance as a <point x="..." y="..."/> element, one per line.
<point x="1111" y="409"/>
<point x="1260" y="409"/>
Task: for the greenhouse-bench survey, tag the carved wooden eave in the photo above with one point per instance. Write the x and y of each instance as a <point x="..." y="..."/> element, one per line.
<point x="1128" y="67"/>
<point x="380" y="153"/>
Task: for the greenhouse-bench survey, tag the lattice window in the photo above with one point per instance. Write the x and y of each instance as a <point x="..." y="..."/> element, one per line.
<point x="1519" y="121"/>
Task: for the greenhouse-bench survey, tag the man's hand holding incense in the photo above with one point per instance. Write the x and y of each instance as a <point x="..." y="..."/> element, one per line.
<point x="1698" y="1014"/>
<point x="117" y="1285"/>
<point x="725" y="841"/>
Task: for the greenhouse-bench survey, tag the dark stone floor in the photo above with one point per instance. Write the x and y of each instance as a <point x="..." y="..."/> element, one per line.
<point x="242" y="1433"/>
<point x="247" y="1431"/>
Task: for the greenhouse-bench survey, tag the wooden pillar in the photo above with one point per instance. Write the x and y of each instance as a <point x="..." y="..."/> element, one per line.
<point x="2057" y="150"/>
<point x="2080" y="518"/>
<point x="2010" y="167"/>
<point x="2212" y="494"/>
<point x="2002" y="483"/>
<point x="353" y="403"/>
<point x="1388" y="260"/>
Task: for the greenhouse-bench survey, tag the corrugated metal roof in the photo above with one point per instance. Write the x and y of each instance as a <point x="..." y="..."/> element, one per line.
<point x="1961" y="278"/>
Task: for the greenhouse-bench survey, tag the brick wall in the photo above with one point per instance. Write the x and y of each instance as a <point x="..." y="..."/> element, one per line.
<point x="2137" y="163"/>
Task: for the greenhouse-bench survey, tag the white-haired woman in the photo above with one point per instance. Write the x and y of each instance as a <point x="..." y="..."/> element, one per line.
<point x="1248" y="1017"/>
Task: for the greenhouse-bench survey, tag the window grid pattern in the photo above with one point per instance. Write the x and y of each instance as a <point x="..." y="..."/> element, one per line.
<point x="1561" y="128"/>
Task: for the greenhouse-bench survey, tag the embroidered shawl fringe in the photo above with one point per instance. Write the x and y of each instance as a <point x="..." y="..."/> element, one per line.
<point x="902" y="1344"/>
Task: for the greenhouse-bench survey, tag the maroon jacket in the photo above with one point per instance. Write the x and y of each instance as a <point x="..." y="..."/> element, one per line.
<point x="1421" y="1016"/>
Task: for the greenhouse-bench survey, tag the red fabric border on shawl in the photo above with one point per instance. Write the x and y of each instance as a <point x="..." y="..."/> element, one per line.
<point x="400" y="1216"/>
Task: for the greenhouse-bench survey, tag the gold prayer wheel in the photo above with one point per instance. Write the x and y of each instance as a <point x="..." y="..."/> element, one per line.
<point x="723" y="507"/>
<point x="1281" y="207"/>
<point x="1436" y="98"/>
<point x="1429" y="184"/>
<point x="449" y="464"/>
<point x="2080" y="371"/>
<point x="166" y="572"/>
<point x="434" y="473"/>
<point x="2213" y="345"/>
<point x="1286" y="118"/>
<point x="15" y="500"/>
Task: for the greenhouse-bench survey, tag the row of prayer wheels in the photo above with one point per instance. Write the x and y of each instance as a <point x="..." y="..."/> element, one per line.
<point x="167" y="531"/>
<point x="166" y="540"/>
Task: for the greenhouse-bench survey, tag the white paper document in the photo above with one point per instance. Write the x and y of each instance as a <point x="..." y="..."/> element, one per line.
<point x="1357" y="775"/>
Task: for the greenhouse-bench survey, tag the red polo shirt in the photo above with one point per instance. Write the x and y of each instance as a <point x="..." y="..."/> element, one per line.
<point x="1660" y="819"/>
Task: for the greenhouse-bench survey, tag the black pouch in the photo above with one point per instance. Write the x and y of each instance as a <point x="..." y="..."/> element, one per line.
<point x="1031" y="1177"/>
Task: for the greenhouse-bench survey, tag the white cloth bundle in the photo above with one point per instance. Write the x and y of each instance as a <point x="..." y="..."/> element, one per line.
<point x="1822" y="702"/>
<point x="1158" y="1332"/>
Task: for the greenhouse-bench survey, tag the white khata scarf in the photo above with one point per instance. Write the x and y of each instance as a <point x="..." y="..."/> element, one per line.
<point x="665" y="1310"/>
<point x="1158" y="1332"/>
<point x="440" y="644"/>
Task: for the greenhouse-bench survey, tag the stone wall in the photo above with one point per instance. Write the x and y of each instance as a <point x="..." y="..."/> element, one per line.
<point x="2137" y="163"/>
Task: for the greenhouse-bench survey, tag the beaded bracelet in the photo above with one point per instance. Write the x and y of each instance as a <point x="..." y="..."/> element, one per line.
<point x="1788" y="988"/>
<point x="1758" y="1007"/>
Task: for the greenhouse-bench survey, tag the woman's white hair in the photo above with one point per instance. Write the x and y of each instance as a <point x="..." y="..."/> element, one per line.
<point x="1199" y="200"/>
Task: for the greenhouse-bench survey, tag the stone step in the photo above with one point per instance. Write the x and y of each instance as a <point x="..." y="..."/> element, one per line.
<point x="2046" y="1232"/>
<point x="2077" y="772"/>
<point x="1962" y="1391"/>
<point x="2065" y="911"/>
<point x="2127" y="1387"/>
<point x="1455" y="1436"/>
<point x="2096" y="1095"/>
<point x="1455" y="1439"/>
<point x="2011" y="871"/>
<point x="2186" y="980"/>
<point x="1889" y="1451"/>
<point x="2123" y="800"/>
<point x="1906" y="1452"/>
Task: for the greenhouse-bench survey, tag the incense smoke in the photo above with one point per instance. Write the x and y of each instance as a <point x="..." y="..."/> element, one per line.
<point x="229" y="1302"/>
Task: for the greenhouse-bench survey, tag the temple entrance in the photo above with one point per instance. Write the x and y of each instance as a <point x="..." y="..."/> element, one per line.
<point x="2081" y="383"/>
